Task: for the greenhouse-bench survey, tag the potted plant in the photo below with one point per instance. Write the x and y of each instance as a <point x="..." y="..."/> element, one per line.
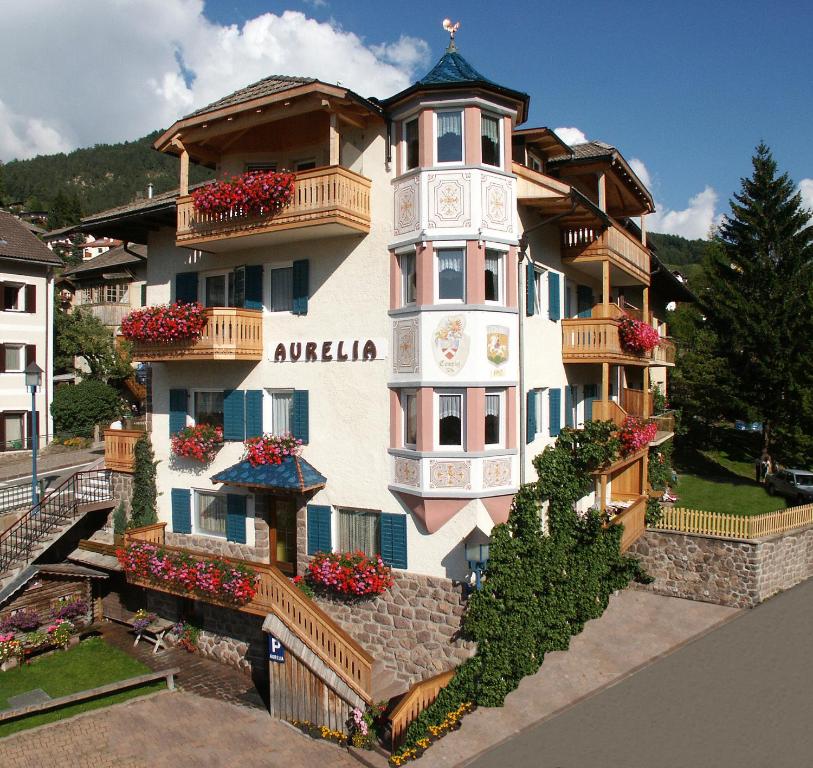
<point x="347" y="574"/>
<point x="165" y="323"/>
<point x="199" y="443"/>
<point x="637" y="336"/>
<point x="254" y="193"/>
<point x="270" y="449"/>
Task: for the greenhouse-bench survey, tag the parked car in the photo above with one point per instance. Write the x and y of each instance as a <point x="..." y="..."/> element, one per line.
<point x="793" y="484"/>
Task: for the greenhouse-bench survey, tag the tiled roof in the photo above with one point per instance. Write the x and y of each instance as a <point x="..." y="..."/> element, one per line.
<point x="18" y="243"/>
<point x="294" y="474"/>
<point x="452" y="68"/>
<point x="585" y="151"/>
<point x="115" y="257"/>
<point x="265" y="87"/>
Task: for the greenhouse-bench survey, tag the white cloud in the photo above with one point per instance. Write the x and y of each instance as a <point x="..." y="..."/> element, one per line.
<point x="806" y="188"/>
<point x="103" y="71"/>
<point x="641" y="171"/>
<point x="570" y="135"/>
<point x="695" y="222"/>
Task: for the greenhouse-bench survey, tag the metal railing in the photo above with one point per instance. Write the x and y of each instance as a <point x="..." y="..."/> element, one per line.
<point x="18" y="496"/>
<point x="63" y="505"/>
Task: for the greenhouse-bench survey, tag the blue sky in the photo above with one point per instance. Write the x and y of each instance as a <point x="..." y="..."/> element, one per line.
<point x="685" y="90"/>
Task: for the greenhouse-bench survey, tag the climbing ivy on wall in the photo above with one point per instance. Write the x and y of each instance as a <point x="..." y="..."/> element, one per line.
<point x="539" y="589"/>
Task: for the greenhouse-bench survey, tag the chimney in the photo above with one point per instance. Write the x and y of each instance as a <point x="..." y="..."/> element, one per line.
<point x="149" y="190"/>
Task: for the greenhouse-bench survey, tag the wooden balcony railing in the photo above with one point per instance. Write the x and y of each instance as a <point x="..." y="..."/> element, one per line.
<point x="664" y="353"/>
<point x="276" y="594"/>
<point x="119" y="448"/>
<point x="609" y="410"/>
<point x="415" y="701"/>
<point x="332" y="195"/>
<point x="665" y="421"/>
<point x="636" y="403"/>
<point x="613" y="243"/>
<point x="633" y="518"/>
<point x="591" y="340"/>
<point x="230" y="333"/>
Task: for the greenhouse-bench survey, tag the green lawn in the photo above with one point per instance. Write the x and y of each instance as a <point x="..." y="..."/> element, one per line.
<point x="88" y="665"/>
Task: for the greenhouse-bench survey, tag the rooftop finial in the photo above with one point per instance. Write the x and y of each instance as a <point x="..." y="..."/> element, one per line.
<point x="451" y="29"/>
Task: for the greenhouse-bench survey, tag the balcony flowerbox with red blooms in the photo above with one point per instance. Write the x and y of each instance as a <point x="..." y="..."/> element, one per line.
<point x="254" y="193"/>
<point x="347" y="574"/>
<point x="636" y="435"/>
<point x="165" y="323"/>
<point x="637" y="336"/>
<point x="199" y="443"/>
<point x="270" y="449"/>
<point x="211" y="578"/>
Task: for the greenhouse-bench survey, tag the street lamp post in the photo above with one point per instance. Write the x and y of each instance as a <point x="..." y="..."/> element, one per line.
<point x="33" y="380"/>
<point x="477" y="545"/>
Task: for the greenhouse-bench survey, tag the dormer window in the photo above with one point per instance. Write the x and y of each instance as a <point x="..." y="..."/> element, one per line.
<point x="411" y="145"/>
<point x="490" y="140"/>
<point x="449" y="132"/>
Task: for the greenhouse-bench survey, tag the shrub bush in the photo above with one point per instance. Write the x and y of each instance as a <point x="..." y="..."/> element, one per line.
<point x="76" y="409"/>
<point x="145" y="492"/>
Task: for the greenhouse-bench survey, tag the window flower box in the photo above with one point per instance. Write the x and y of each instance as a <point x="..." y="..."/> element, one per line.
<point x="636" y="336"/>
<point x="254" y="193"/>
<point x="199" y="443"/>
<point x="636" y="435"/>
<point x="347" y="574"/>
<point x="165" y="323"/>
<point x="270" y="449"/>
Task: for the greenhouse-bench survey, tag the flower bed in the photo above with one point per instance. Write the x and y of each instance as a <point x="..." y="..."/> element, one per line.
<point x="70" y="609"/>
<point x="270" y="449"/>
<point x="200" y="442"/>
<point x="206" y="577"/>
<point x="637" y="336"/>
<point x="165" y="323"/>
<point x="10" y="647"/>
<point x="636" y="435"/>
<point x="320" y="732"/>
<point x="347" y="574"/>
<point x="451" y="722"/>
<point x="255" y="193"/>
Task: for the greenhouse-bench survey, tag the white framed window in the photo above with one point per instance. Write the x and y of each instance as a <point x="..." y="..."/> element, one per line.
<point x="450" y="271"/>
<point x="540" y="292"/>
<point x="450" y="423"/>
<point x="207" y="407"/>
<point x="449" y="136"/>
<point x="491" y="140"/>
<point x="409" y="407"/>
<point x="412" y="158"/>
<point x="278" y="408"/>
<point x="14" y="432"/>
<point x="534" y="163"/>
<point x="359" y="530"/>
<point x="15" y="357"/>
<point x="13" y="297"/>
<point x="495" y="418"/>
<point x="217" y="288"/>
<point x="494" y="277"/>
<point x="117" y="293"/>
<point x="542" y="415"/>
<point x="409" y="278"/>
<point x="282" y="289"/>
<point x="210" y="514"/>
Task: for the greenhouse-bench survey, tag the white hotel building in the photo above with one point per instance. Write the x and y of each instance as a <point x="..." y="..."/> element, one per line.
<point x="440" y="298"/>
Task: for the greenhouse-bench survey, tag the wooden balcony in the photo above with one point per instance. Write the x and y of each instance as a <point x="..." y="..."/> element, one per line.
<point x="596" y="340"/>
<point x="633" y="518"/>
<point x="586" y="244"/>
<point x="664" y="353"/>
<point x="230" y="333"/>
<point x="636" y="403"/>
<point x="326" y="202"/>
<point x="119" y="449"/>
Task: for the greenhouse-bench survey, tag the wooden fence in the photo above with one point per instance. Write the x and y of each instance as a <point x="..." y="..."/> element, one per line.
<point x="415" y="701"/>
<point x="735" y="526"/>
<point x="119" y="448"/>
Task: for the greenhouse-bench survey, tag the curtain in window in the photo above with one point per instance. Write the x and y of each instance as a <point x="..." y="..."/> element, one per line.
<point x="492" y="273"/>
<point x="408" y="277"/>
<point x="539" y="277"/>
<point x="282" y="289"/>
<point x="216" y="291"/>
<point x="411" y="139"/>
<point x="450" y="137"/>
<point x="490" y="140"/>
<point x="492" y="419"/>
<point x="450" y="405"/>
<point x="493" y="405"/>
<point x="410" y="419"/>
<point x="209" y="408"/>
<point x="212" y="514"/>
<point x="450" y="274"/>
<point x="359" y="530"/>
<point x="491" y="129"/>
<point x="14" y="358"/>
<point x="281" y="403"/>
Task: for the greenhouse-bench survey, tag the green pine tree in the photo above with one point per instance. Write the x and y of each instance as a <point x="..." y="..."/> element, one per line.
<point x="759" y="303"/>
<point x="145" y="492"/>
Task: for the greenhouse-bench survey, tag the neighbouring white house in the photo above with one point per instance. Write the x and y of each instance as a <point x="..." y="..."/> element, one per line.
<point x="26" y="331"/>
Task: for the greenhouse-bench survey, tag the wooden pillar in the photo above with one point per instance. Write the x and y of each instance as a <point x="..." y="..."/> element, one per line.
<point x="644" y="474"/>
<point x="605" y="382"/>
<point x="643" y="229"/>
<point x="602" y="192"/>
<point x="647" y="396"/>
<point x="605" y="287"/>
<point x="603" y="495"/>
<point x="184" y="183"/>
<point x="333" y="141"/>
<point x="645" y="306"/>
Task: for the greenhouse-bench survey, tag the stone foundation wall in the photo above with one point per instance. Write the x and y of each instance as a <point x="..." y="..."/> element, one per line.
<point x="412" y="628"/>
<point x="212" y="545"/>
<point x="732" y="572"/>
<point x="121" y="485"/>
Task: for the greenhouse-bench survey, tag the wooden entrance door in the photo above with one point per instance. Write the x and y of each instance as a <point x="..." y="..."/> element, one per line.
<point x="282" y="532"/>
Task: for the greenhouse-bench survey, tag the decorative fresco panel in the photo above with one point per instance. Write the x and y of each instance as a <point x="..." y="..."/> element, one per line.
<point x="407" y="472"/>
<point x="449" y="200"/>
<point x="496" y="473"/>
<point x="407" y="206"/>
<point x="497" y="206"/>
<point x="451" y="344"/>
<point x="450" y="474"/>
<point x="406" y="343"/>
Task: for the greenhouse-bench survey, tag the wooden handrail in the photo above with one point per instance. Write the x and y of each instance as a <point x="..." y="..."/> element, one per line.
<point x="416" y="700"/>
<point x="636" y="402"/>
<point x="609" y="410"/>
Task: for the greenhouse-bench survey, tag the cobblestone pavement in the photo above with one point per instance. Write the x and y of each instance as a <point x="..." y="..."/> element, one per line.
<point x="198" y="675"/>
<point x="170" y="730"/>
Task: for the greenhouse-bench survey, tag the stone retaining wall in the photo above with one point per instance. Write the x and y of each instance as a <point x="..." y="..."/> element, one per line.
<point x="734" y="572"/>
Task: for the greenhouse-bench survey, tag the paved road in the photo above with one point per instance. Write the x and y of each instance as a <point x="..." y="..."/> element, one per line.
<point x="739" y="697"/>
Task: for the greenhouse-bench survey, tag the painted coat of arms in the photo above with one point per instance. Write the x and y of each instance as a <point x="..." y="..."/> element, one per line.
<point x="497" y="344"/>
<point x="451" y="344"/>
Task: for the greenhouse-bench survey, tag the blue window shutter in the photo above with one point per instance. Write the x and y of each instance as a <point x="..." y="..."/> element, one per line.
<point x="234" y="419"/>
<point x="300" y="423"/>
<point x="554" y="297"/>
<point x="254" y="413"/>
<point x="253" y="287"/>
<point x="569" y="406"/>
<point x="589" y="396"/>
<point x="584" y="300"/>
<point x="530" y="414"/>
<point x="530" y="293"/>
<point x="555" y="402"/>
<point x="181" y="510"/>
<point x="393" y="540"/>
<point x="319" y="539"/>
<point x="236" y="518"/>
<point x="301" y="284"/>
<point x="177" y="410"/>
<point x="186" y="287"/>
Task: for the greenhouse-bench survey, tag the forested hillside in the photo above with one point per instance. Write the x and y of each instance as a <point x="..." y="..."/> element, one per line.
<point x="88" y="180"/>
<point x="679" y="254"/>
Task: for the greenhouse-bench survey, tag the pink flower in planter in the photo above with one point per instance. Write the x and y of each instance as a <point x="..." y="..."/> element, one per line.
<point x="636" y="336"/>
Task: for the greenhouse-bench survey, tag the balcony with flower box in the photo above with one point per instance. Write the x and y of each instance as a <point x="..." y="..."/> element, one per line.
<point x="323" y="202"/>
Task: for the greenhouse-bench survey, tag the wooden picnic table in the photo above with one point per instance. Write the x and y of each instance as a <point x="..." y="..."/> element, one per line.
<point x="154" y="633"/>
